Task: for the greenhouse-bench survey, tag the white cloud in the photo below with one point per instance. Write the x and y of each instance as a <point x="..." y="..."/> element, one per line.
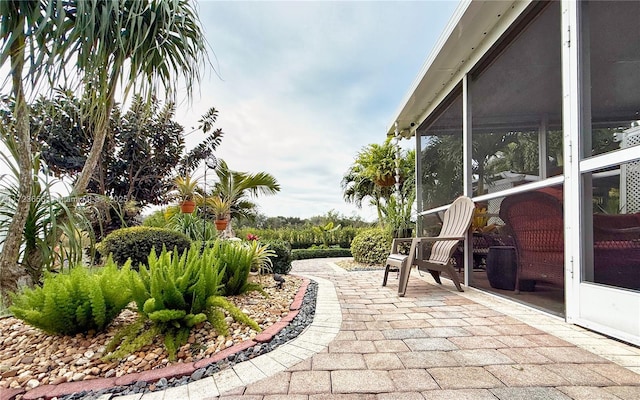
<point x="303" y="86"/>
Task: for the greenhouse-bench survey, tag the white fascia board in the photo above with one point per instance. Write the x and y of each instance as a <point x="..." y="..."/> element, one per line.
<point x="471" y="31"/>
<point x="442" y="40"/>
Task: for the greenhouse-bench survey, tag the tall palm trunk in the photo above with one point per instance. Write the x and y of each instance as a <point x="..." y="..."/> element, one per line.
<point x="99" y="135"/>
<point x="228" y="231"/>
<point x="10" y="271"/>
<point x="35" y="257"/>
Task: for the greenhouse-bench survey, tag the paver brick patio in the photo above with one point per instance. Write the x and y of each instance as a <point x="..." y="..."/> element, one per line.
<point x="587" y="393"/>
<point x="430" y="344"/>
<point x="428" y="359"/>
<point x="310" y="382"/>
<point x="369" y="335"/>
<point x="404" y="333"/>
<point x="529" y="393"/>
<point x="526" y="375"/>
<point x="276" y="384"/>
<point x="390" y="346"/>
<point x="464" y="378"/>
<point x="412" y="380"/>
<point x="481" y="357"/>
<point x="625" y="392"/>
<point x="433" y="344"/>
<point x="385" y="361"/>
<point x="331" y="361"/>
<point x="616" y="373"/>
<point x="400" y="396"/>
<point x="459" y="394"/>
<point x="361" y="381"/>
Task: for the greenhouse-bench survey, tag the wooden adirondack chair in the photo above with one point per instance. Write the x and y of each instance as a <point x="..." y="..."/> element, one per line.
<point x="455" y="224"/>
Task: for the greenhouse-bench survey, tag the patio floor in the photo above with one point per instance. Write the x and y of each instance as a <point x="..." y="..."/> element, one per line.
<point x="435" y="343"/>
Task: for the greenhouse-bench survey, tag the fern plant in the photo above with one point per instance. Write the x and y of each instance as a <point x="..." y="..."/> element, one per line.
<point x="75" y="302"/>
<point x="173" y="294"/>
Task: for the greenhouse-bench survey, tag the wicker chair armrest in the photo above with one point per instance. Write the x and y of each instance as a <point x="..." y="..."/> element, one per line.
<point x="613" y="231"/>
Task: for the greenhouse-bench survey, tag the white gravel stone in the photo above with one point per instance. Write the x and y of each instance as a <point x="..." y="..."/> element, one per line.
<point x="32" y="383"/>
<point x="79" y="357"/>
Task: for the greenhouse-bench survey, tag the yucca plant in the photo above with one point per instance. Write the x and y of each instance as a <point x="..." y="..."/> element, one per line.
<point x="37" y="254"/>
<point x="174" y="294"/>
<point x="116" y="47"/>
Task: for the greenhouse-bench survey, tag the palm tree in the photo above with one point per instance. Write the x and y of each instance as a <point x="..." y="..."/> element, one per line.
<point x="442" y="170"/>
<point x="485" y="148"/>
<point x="372" y="165"/>
<point x="142" y="44"/>
<point x="239" y="188"/>
<point x="357" y="187"/>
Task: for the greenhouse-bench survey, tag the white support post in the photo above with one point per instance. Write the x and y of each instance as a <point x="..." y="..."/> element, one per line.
<point x="467" y="156"/>
<point x="572" y="126"/>
<point x="396" y="139"/>
<point x="419" y="203"/>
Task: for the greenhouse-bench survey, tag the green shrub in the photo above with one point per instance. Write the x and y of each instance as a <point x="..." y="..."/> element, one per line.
<point x="194" y="227"/>
<point x="77" y="301"/>
<point x="157" y="219"/>
<point x="236" y="258"/>
<point x="281" y="260"/>
<point x="136" y="243"/>
<point x="305" y="254"/>
<point x="173" y="294"/>
<point x="371" y="246"/>
<point x="304" y="237"/>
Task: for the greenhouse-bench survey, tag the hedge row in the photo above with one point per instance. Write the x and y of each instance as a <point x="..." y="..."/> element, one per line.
<point x="305" y="254"/>
<point x="304" y="238"/>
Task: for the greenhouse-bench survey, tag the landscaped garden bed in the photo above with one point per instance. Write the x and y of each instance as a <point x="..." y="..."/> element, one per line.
<point x="31" y="358"/>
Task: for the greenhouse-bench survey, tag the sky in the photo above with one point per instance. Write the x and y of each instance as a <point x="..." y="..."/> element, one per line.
<point x="302" y="87"/>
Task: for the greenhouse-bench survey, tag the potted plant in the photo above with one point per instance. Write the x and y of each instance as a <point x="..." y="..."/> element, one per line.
<point x="186" y="190"/>
<point x="480" y="221"/>
<point x="379" y="162"/>
<point x="221" y="207"/>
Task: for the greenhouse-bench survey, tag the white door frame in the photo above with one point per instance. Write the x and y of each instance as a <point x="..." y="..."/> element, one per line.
<point x="612" y="311"/>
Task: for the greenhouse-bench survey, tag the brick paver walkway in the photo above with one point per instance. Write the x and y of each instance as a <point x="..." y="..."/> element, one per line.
<point x="435" y="343"/>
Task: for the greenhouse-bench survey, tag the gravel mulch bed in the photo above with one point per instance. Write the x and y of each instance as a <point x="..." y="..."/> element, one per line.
<point x="30" y="357"/>
<point x="351" y="265"/>
<point x="291" y="331"/>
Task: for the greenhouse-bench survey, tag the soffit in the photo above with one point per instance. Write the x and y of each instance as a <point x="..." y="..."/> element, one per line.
<point x="471" y="25"/>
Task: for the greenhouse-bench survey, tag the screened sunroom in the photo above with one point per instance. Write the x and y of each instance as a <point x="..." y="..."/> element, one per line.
<point x="532" y="109"/>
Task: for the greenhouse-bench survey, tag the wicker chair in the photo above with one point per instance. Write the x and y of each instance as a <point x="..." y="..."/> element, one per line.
<point x="536" y="221"/>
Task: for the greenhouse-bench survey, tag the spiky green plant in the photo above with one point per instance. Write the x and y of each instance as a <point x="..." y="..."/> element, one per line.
<point x="193" y="226"/>
<point x="44" y="208"/>
<point x="78" y="301"/>
<point x="237" y="259"/>
<point x="262" y="255"/>
<point x="173" y="294"/>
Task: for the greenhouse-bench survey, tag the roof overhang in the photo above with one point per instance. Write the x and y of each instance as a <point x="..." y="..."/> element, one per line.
<point x="473" y="28"/>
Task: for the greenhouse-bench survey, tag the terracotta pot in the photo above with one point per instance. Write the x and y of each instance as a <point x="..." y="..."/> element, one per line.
<point x="387" y="180"/>
<point x="221" y="224"/>
<point x="187" y="206"/>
